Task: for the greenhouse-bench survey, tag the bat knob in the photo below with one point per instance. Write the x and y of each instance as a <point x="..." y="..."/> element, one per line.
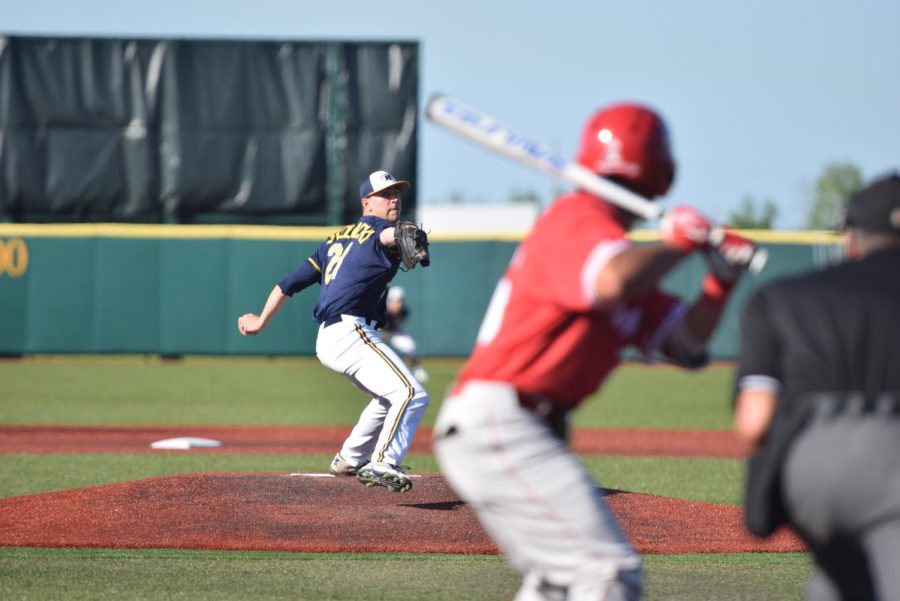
<point x="759" y="260"/>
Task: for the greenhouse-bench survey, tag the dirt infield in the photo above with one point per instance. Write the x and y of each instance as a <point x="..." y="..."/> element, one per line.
<point x="320" y="513"/>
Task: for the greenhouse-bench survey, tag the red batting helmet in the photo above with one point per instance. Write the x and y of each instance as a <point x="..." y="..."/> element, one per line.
<point x="629" y="143"/>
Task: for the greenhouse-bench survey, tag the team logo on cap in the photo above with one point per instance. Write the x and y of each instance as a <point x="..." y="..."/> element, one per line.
<point x="612" y="161"/>
<point x="378" y="181"/>
<point x="381" y="179"/>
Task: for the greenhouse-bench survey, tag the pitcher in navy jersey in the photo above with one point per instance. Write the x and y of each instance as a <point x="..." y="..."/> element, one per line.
<point x="353" y="267"/>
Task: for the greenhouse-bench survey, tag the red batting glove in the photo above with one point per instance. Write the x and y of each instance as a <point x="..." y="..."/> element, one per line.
<point x="685" y="228"/>
<point x="728" y="255"/>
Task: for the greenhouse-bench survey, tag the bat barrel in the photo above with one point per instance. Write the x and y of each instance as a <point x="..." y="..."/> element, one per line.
<point x="481" y="128"/>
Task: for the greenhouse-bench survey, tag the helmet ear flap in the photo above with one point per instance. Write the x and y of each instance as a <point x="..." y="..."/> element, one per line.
<point x="631" y="143"/>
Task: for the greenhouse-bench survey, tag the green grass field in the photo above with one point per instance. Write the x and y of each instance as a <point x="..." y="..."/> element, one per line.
<point x="144" y="390"/>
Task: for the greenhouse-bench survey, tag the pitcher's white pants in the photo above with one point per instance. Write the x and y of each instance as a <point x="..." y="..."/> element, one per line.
<point x="387" y="425"/>
<point x="535" y="498"/>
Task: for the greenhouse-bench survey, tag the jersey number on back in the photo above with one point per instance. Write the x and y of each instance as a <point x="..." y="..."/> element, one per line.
<point x="336" y="254"/>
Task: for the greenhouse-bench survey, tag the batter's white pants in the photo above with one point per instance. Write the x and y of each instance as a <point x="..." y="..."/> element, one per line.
<point x="535" y="498"/>
<point x="387" y="425"/>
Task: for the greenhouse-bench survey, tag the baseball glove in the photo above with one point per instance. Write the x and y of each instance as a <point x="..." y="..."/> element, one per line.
<point x="412" y="244"/>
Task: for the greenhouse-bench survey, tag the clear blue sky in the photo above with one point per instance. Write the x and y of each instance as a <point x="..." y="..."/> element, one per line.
<point x="759" y="95"/>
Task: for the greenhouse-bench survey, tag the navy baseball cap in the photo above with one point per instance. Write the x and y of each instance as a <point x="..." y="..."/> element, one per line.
<point x="876" y="207"/>
<point x="379" y="181"/>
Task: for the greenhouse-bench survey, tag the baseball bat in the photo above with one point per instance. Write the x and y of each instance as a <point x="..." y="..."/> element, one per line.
<point x="482" y="129"/>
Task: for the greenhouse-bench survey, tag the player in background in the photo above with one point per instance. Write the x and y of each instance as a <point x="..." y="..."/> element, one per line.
<point x="818" y="394"/>
<point x="354" y="267"/>
<point x="396" y="335"/>
<point x="575" y="294"/>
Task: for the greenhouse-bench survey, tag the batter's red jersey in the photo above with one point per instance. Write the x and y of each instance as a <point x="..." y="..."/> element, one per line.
<point x="545" y="331"/>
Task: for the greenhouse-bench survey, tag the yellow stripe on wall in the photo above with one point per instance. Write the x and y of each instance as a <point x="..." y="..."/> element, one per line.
<point x="766" y="236"/>
<point x="318" y="233"/>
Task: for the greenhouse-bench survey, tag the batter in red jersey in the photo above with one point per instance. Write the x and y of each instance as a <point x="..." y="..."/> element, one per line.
<point x="576" y="294"/>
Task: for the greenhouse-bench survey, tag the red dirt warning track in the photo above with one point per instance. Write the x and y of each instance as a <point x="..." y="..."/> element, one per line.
<point x="325" y="439"/>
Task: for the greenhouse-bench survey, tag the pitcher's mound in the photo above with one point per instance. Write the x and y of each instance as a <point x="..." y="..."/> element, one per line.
<point x="321" y="513"/>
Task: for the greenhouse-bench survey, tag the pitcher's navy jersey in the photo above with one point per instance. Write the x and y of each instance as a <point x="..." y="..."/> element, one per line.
<point x="354" y="269"/>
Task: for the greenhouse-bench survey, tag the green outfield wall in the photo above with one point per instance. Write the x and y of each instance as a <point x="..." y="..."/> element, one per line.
<point x="179" y="289"/>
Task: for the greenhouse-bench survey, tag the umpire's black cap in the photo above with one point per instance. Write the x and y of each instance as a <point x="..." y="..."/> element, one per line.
<point x="877" y="206"/>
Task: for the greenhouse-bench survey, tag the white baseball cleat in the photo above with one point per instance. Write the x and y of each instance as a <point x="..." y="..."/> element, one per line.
<point x="384" y="474"/>
<point x="420" y="374"/>
<point x="341" y="467"/>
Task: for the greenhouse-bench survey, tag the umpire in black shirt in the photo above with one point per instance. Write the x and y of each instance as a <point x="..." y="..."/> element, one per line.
<point x="818" y="393"/>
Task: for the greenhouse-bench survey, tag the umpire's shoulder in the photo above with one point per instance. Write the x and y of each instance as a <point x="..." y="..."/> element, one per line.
<point x="797" y="287"/>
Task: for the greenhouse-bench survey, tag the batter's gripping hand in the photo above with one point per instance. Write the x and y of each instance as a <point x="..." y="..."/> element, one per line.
<point x="729" y="255"/>
<point x="685" y="228"/>
<point x="412" y="242"/>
